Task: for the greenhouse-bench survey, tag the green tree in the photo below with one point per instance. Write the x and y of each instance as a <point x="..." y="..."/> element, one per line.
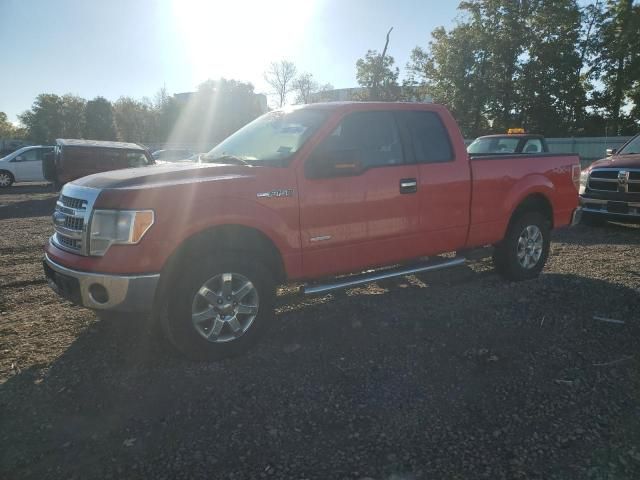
<point x="454" y="72"/>
<point x="72" y="116"/>
<point x="52" y="116"/>
<point x="9" y="130"/>
<point x="378" y="76"/>
<point x="99" y="123"/>
<point x="135" y="120"/>
<point x="552" y="96"/>
<point x="509" y="63"/>
<point x="43" y="120"/>
<point x="617" y="65"/>
<point x="167" y="112"/>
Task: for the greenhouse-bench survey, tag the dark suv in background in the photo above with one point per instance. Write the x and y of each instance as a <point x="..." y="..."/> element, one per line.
<point x="610" y="188"/>
<point x="73" y="159"/>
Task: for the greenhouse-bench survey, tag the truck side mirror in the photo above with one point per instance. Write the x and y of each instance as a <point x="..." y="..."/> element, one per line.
<point x="339" y="163"/>
<point x="611" y="151"/>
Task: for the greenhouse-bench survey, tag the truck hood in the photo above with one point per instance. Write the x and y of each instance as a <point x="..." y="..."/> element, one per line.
<point x="618" y="161"/>
<point x="166" y="174"/>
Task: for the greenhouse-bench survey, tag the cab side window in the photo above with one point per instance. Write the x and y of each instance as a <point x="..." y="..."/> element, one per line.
<point x="429" y="137"/>
<point x="372" y="136"/>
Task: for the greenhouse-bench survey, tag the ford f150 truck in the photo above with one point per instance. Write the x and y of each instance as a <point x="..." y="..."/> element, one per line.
<point x="610" y="188"/>
<point x="327" y="195"/>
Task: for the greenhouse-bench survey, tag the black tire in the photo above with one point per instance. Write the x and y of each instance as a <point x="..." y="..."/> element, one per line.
<point x="7" y="179"/>
<point x="505" y="256"/>
<point x="177" y="323"/>
<point x="592" y="220"/>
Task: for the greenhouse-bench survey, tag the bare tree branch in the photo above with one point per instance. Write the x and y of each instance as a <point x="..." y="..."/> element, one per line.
<point x="304" y="86"/>
<point x="280" y="76"/>
<point x="376" y="81"/>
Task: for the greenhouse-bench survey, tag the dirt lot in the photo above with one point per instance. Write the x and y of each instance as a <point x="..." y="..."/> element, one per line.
<point x="448" y="375"/>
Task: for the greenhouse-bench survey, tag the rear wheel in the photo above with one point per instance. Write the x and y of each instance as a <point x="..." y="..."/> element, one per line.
<point x="220" y="307"/>
<point x="6" y="179"/>
<point x="523" y="252"/>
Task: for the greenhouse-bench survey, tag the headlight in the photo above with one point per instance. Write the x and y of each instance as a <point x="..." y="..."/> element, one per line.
<point x="117" y="227"/>
<point x="584" y="178"/>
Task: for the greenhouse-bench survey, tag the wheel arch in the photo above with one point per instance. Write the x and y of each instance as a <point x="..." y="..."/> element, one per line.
<point x="229" y="238"/>
<point x="533" y="202"/>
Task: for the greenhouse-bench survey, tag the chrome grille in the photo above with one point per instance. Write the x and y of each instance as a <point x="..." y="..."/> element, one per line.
<point x="71" y="218"/>
<point x="74" y="223"/>
<point x="72" y="202"/>
<point x="622" y="180"/>
<point x="70" y="243"/>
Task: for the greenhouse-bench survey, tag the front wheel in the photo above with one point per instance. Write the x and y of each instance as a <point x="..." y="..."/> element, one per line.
<point x="6" y="179"/>
<point x="220" y="307"/>
<point x="523" y="252"/>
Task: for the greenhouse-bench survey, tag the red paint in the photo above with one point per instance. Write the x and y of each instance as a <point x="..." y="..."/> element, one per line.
<point x="458" y="204"/>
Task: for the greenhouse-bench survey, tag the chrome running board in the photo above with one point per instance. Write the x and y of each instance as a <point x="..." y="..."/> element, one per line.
<point x="376" y="275"/>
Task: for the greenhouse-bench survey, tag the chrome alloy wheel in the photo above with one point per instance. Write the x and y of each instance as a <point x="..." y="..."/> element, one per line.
<point x="225" y="307"/>
<point x="530" y="244"/>
<point x="5" y="179"/>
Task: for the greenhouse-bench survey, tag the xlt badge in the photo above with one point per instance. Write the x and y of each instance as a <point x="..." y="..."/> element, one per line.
<point x="277" y="193"/>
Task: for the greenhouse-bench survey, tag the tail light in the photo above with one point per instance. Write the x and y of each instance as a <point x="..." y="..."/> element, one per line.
<point x="575" y="176"/>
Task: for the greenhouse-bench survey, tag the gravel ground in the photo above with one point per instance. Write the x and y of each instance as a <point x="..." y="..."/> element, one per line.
<point x="454" y="374"/>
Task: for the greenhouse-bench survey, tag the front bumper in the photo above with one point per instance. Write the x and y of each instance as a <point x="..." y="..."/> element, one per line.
<point x="122" y="293"/>
<point x="613" y="209"/>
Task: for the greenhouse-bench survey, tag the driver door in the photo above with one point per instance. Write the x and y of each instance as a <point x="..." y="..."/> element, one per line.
<point x="358" y="202"/>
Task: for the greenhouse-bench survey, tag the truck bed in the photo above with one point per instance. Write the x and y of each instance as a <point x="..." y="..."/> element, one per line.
<point x="500" y="182"/>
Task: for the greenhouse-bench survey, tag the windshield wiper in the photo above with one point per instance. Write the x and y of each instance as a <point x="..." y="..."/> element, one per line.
<point x="227" y="159"/>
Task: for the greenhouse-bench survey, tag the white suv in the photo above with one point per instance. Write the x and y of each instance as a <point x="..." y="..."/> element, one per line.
<point x="23" y="165"/>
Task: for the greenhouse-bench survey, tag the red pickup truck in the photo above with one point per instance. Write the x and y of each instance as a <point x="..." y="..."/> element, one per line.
<point x="327" y="195"/>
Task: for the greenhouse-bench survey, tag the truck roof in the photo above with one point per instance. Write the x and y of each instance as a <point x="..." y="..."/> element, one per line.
<point x="515" y="135"/>
<point x="73" y="142"/>
<point x="382" y="105"/>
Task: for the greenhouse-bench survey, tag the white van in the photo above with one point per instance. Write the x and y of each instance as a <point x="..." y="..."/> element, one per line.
<point x="23" y="165"/>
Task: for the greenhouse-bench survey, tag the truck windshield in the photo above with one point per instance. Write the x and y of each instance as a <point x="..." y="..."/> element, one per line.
<point x="273" y="137"/>
<point x="631" y="148"/>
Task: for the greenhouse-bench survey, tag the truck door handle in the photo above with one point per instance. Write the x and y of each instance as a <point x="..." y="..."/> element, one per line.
<point x="408" y="185"/>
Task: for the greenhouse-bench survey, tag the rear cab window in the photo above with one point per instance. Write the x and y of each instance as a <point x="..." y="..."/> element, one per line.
<point x="494" y="145"/>
<point x="428" y="137"/>
<point x="533" y="145"/>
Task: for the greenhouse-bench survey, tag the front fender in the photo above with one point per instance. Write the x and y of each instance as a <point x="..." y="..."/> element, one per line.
<point x="278" y="221"/>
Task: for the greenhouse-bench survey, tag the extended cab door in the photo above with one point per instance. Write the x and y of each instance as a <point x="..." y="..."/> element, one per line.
<point x="444" y="178"/>
<point x="358" y="197"/>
